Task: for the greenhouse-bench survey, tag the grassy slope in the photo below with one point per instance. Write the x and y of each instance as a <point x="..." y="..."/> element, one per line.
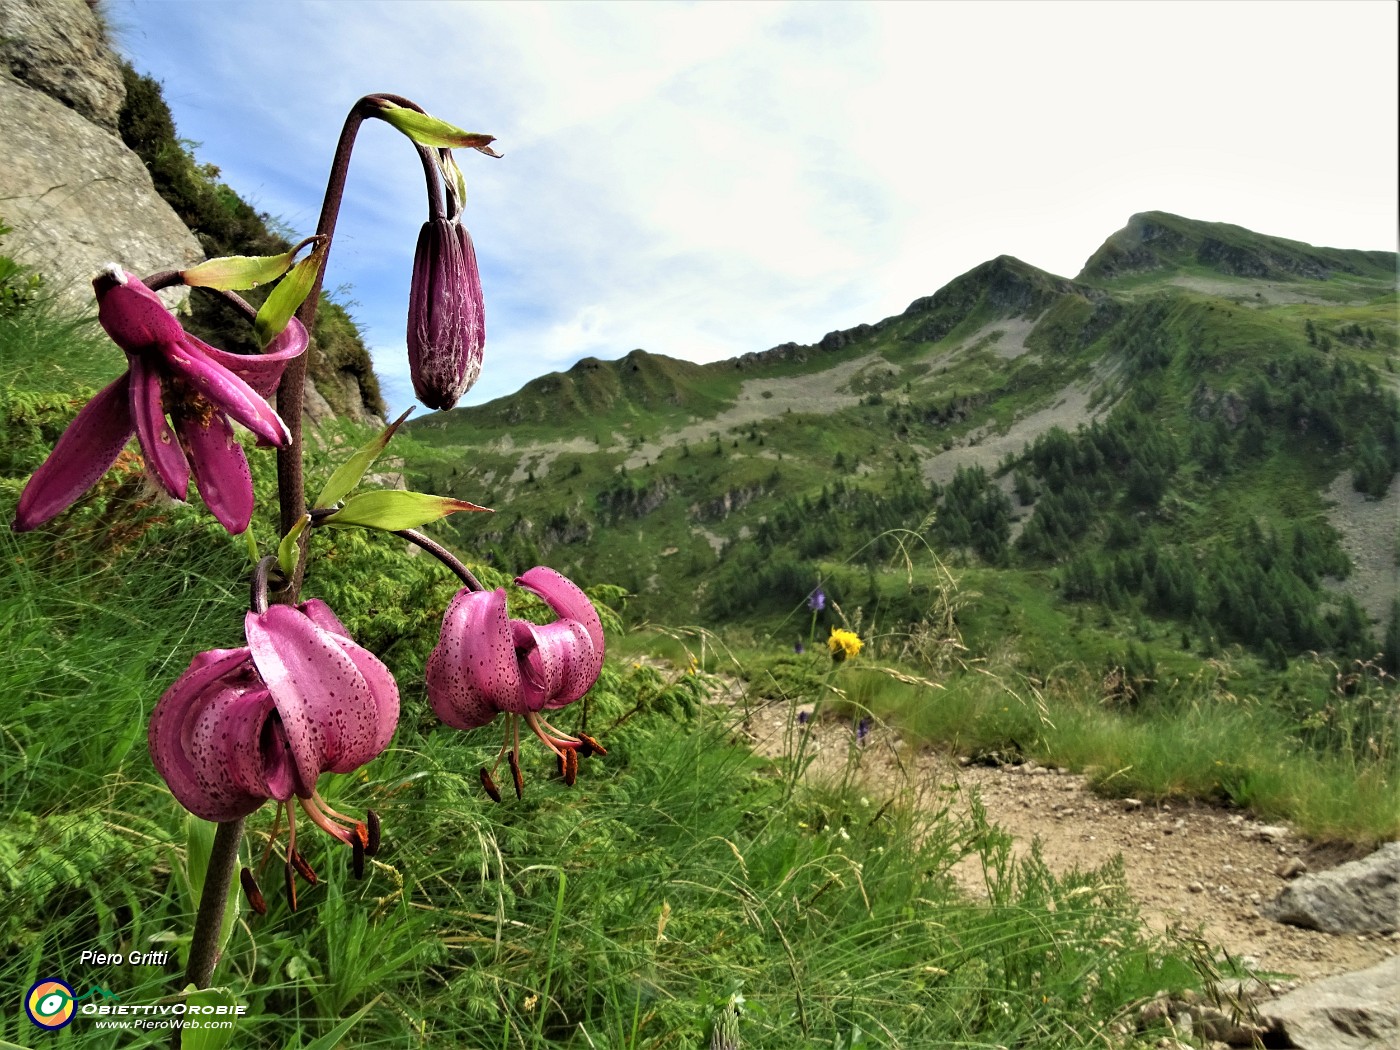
<point x="1180" y="330"/>
<point x="622" y="914"/>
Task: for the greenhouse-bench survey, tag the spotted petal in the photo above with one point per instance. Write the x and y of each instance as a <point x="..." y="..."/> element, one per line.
<point x="87" y="448"/>
<point x="556" y="663"/>
<point x="206" y="738"/>
<point x="163" y="453"/>
<point x="472" y="674"/>
<point x="132" y="314"/>
<point x="570" y="603"/>
<point x="220" y="468"/>
<point x="335" y="717"/>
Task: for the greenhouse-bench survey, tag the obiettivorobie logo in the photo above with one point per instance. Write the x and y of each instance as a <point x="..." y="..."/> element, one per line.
<point x="52" y="1005"/>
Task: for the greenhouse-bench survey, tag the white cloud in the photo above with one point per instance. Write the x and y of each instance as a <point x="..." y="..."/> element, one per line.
<point x="707" y="179"/>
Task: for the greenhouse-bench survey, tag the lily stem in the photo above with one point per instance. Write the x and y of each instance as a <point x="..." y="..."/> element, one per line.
<point x="209" y="921"/>
<point x="291" y="499"/>
<point x="443" y="555"/>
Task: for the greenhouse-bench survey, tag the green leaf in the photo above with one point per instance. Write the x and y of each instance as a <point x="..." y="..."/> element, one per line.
<point x="391" y="510"/>
<point x="208" y="1038"/>
<point x="331" y="1040"/>
<point x="349" y="473"/>
<point x="236" y="272"/>
<point x="287" y="549"/>
<point x="291" y="291"/>
<point x="430" y="131"/>
<point x="199" y="844"/>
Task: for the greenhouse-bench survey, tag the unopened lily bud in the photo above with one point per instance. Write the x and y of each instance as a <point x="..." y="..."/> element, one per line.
<point x="446" y="314"/>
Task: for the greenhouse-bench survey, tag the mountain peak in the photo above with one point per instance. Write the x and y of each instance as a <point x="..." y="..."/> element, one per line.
<point x="1158" y="240"/>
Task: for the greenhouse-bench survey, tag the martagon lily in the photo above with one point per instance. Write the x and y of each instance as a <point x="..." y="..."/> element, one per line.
<point x="264" y="721"/>
<point x="169" y="372"/>
<point x="485" y="664"/>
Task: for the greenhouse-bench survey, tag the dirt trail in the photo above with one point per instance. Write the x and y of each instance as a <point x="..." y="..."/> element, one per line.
<point x="1187" y="865"/>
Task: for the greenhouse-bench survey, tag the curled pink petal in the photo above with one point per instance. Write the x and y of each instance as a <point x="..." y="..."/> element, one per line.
<point x="220" y="469"/>
<point x="163" y="453"/>
<point x="560" y="657"/>
<point x="224" y="390"/>
<point x="83" y="454"/>
<point x="261" y="371"/>
<point x="472" y="673"/>
<point x="198" y="765"/>
<point x="334" y="717"/>
<point x="569" y="603"/>
<point x="132" y="314"/>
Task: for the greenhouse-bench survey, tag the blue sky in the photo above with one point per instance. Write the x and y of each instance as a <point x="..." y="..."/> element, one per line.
<point x="703" y="180"/>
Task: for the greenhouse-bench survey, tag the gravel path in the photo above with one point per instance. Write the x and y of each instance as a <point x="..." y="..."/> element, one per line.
<point x="1187" y="865"/>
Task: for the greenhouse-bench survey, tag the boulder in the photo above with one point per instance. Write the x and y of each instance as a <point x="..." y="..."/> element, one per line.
<point x="1352" y="1011"/>
<point x="1360" y="897"/>
<point x="78" y="199"/>
<point x="60" y="48"/>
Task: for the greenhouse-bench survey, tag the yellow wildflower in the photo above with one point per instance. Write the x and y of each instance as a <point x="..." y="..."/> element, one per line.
<point x="843" y="644"/>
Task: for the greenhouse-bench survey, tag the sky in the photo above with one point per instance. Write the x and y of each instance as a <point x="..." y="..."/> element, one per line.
<point x="707" y="179"/>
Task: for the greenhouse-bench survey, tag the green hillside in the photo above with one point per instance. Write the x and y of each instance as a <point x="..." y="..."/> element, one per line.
<point x="1160" y="437"/>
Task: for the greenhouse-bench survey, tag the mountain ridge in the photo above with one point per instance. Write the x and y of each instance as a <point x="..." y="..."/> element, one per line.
<point x="1160" y="444"/>
<point x="1004" y="287"/>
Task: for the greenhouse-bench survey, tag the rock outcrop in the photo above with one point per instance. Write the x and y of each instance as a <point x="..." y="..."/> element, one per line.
<point x="76" y="197"/>
<point x="1352" y="1011"/>
<point x="60" y="48"/>
<point x="1360" y="897"/>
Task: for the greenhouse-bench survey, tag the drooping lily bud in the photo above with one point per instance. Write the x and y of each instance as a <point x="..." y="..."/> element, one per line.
<point x="446" y="314"/>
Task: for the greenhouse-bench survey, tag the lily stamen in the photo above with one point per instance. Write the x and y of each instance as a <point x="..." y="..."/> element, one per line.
<point x="291" y="849"/>
<point x="554" y="743"/>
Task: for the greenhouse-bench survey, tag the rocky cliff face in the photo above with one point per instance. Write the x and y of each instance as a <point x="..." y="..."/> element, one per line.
<point x="76" y="197"/>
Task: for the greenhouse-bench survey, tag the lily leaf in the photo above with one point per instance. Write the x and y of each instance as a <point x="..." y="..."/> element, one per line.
<point x="349" y="473"/>
<point x="392" y="510"/>
<point x="430" y="131"/>
<point x="201" y="1037"/>
<point x="287" y="549"/>
<point x="291" y="291"/>
<point x="237" y="272"/>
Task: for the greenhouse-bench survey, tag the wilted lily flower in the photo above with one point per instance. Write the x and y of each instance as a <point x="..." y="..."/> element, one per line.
<point x="265" y="720"/>
<point x="485" y="664"/>
<point x="169" y="372"/>
<point x="446" y="314"/>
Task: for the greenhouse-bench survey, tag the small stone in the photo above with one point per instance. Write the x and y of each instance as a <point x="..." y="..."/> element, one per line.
<point x="1195" y="887"/>
<point x="1291" y="868"/>
<point x="1132" y="805"/>
<point x="1270" y="832"/>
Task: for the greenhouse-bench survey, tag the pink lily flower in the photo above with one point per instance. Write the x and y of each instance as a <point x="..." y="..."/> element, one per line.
<point x="446" y="314"/>
<point x="169" y="372"/>
<point x="264" y="721"/>
<point x="485" y="664"/>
